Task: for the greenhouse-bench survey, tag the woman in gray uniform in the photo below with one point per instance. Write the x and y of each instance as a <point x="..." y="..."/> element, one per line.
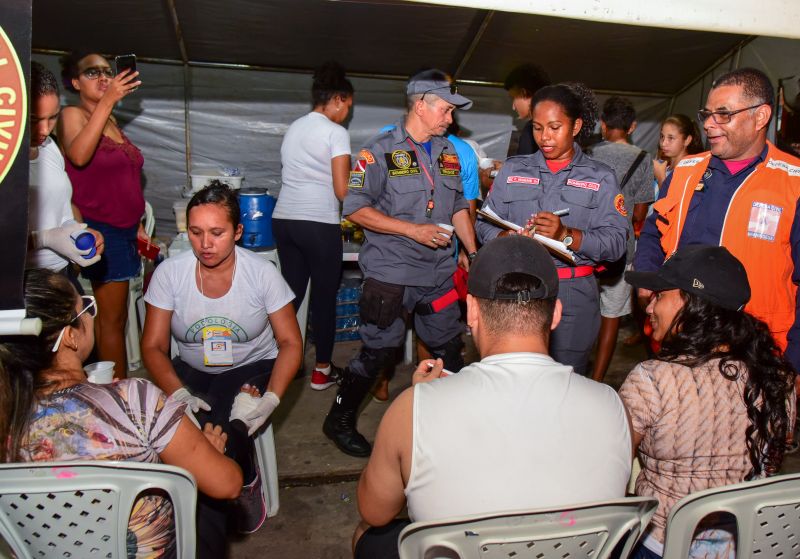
<point x="562" y="194"/>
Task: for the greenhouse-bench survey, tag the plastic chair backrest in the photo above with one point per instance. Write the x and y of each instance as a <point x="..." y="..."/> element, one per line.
<point x="767" y="515"/>
<point x="590" y="530"/>
<point x="81" y="509"/>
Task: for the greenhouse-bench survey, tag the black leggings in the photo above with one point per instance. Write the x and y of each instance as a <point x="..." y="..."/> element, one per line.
<point x="308" y="249"/>
<point x="219" y="391"/>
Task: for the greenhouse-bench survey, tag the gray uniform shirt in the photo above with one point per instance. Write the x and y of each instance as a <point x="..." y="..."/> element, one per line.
<point x="525" y="186"/>
<point x="396" y="176"/>
<point x="639" y="188"/>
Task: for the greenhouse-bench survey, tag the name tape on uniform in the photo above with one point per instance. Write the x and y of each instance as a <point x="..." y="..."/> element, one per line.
<point x="514" y="179"/>
<point x="584" y="184"/>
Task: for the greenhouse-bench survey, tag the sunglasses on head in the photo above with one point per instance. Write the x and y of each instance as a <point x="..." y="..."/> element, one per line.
<point x="89" y="306"/>
<point x="96" y="71"/>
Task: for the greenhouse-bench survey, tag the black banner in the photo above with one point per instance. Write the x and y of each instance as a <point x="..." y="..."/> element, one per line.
<point x="15" y="54"/>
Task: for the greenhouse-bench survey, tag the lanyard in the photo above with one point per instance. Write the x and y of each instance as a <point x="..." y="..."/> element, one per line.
<point x="430" y="205"/>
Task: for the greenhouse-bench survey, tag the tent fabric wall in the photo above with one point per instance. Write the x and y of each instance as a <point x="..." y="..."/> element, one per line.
<point x="238" y="119"/>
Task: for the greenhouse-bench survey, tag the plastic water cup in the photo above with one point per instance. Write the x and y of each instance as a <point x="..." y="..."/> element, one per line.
<point x="101" y="372"/>
<point x="486" y="163"/>
<point x="84" y="240"/>
<point x="448" y="227"/>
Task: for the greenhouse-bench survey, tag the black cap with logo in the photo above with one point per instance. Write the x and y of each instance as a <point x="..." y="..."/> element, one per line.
<point x="710" y="272"/>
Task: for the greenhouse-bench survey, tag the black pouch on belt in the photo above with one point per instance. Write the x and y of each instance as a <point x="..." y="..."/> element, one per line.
<point x="381" y="303"/>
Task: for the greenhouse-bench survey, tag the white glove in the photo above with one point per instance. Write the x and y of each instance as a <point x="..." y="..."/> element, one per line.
<point x="58" y="240"/>
<point x="193" y="403"/>
<point x="253" y="411"/>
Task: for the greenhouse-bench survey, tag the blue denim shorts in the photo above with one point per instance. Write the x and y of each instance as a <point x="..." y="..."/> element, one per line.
<point x="121" y="260"/>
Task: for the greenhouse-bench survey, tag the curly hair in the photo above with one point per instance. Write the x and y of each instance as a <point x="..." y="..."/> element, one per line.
<point x="577" y="100"/>
<point x="50" y="297"/>
<point x="330" y="80"/>
<point x="69" y="66"/>
<point x="43" y="81"/>
<point x="702" y="331"/>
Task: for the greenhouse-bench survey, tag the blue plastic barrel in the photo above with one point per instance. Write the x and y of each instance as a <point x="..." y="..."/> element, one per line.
<point x="256" y="206"/>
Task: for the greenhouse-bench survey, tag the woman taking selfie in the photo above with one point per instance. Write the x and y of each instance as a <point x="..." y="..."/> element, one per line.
<point x="105" y="170"/>
<point x="590" y="216"/>
<point x="51" y="412"/>
<point x="315" y="160"/>
<point x="231" y="314"/>
<point x="712" y="408"/>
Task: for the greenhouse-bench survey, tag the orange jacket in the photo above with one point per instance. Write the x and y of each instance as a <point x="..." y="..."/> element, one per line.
<point x="756" y="230"/>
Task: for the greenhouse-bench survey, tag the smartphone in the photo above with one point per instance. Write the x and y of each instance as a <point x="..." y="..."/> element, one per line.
<point x="125" y="62"/>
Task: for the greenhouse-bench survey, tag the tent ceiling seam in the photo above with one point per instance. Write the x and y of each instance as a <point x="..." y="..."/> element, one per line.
<point x="487" y="18"/>
<point x="187" y="85"/>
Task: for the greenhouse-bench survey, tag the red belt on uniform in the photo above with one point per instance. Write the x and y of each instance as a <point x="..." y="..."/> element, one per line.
<point x="575" y="272"/>
<point x="437" y="304"/>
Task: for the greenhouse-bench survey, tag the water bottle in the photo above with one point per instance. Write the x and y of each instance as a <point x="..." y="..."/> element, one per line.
<point x="84" y="240"/>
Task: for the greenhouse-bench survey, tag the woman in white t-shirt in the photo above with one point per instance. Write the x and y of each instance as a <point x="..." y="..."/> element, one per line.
<point x="229" y="311"/>
<point x="315" y="156"/>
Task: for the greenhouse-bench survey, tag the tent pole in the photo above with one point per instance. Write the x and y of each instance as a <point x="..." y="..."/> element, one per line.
<point x="187" y="86"/>
<point x="487" y="18"/>
<point x="713" y="66"/>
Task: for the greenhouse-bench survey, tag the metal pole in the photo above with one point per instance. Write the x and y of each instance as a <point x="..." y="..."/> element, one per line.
<point x="187" y="86"/>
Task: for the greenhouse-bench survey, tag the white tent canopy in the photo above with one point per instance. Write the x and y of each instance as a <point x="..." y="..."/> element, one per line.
<point x="202" y="104"/>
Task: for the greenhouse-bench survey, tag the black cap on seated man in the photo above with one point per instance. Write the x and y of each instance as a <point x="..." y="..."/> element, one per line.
<point x="516" y="430"/>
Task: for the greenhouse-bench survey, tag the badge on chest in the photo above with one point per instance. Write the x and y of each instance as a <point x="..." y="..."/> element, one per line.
<point x="217" y="346"/>
<point x="401" y="163"/>
<point x="449" y="166"/>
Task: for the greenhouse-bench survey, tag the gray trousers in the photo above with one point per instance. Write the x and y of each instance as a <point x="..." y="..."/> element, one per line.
<point x="572" y="341"/>
<point x="435" y="330"/>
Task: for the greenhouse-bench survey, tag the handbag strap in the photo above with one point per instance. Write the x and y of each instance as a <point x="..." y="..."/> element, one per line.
<point x="634" y="166"/>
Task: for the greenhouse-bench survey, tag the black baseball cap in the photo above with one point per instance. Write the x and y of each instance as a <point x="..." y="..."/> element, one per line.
<point x="507" y="255"/>
<point x="436" y="83"/>
<point x="710" y="272"/>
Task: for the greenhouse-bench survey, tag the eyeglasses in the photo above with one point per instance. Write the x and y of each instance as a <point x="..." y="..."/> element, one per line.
<point x="96" y="71"/>
<point x="721" y="117"/>
<point x="89" y="306"/>
<point x="452" y="87"/>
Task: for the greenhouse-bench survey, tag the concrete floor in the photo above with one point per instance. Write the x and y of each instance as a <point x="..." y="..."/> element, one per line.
<point x="318" y="509"/>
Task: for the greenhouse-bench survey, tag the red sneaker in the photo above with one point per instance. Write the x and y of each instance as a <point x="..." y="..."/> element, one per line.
<point x="321" y="381"/>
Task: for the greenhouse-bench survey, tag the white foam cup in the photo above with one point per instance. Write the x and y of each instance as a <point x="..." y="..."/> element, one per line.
<point x="486" y="163"/>
<point x="448" y="227"/>
<point x="101" y="372"/>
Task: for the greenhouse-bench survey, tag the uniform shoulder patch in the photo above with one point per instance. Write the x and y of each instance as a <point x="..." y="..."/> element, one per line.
<point x="356" y="179"/>
<point x="367" y="156"/>
<point x="619" y="205"/>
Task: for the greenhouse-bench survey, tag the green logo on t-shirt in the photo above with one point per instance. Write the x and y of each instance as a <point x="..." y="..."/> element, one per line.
<point x="195" y="331"/>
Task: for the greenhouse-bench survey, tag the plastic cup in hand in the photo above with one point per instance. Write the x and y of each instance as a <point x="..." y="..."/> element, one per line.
<point x="448" y="227"/>
<point x="101" y="372"/>
<point x="84" y="240"/>
<point x="486" y="163"/>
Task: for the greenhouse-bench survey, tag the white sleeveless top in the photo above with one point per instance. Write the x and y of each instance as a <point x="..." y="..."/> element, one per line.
<point x="515" y="431"/>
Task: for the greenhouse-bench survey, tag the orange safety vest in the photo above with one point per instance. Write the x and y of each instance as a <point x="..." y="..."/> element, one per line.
<point x="755" y="230"/>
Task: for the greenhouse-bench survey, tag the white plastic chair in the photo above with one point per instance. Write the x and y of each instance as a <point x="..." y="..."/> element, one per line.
<point x="136" y="306"/>
<point x="584" y="531"/>
<point x="767" y="515"/>
<point x="81" y="509"/>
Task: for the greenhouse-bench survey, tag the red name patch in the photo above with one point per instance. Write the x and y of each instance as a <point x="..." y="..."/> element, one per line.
<point x="522" y="180"/>
<point x="584" y="184"/>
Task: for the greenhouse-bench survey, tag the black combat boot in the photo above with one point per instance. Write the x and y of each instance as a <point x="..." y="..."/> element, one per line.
<point x="340" y="424"/>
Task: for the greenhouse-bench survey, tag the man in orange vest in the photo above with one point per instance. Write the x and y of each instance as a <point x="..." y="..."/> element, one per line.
<point x="743" y="195"/>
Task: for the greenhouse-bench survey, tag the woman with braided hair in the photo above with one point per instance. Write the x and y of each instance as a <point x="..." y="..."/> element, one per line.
<point x="562" y="194"/>
<point x="713" y="408"/>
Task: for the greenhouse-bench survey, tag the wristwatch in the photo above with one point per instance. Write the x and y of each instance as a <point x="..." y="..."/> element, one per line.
<point x="472" y="256"/>
<point x="568" y="239"/>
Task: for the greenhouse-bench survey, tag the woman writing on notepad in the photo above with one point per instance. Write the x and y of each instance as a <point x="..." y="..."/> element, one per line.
<point x="563" y="195"/>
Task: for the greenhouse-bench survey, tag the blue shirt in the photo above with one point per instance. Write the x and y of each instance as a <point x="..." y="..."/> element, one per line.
<point x="703" y="226"/>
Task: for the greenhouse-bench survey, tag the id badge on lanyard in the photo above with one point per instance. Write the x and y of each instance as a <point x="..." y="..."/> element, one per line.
<point x="217" y="346"/>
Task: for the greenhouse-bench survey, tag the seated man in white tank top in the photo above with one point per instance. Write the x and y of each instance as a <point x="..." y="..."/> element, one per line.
<point x="513" y="431"/>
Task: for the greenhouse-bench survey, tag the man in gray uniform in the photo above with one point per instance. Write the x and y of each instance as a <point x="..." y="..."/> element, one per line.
<point x="405" y="185"/>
